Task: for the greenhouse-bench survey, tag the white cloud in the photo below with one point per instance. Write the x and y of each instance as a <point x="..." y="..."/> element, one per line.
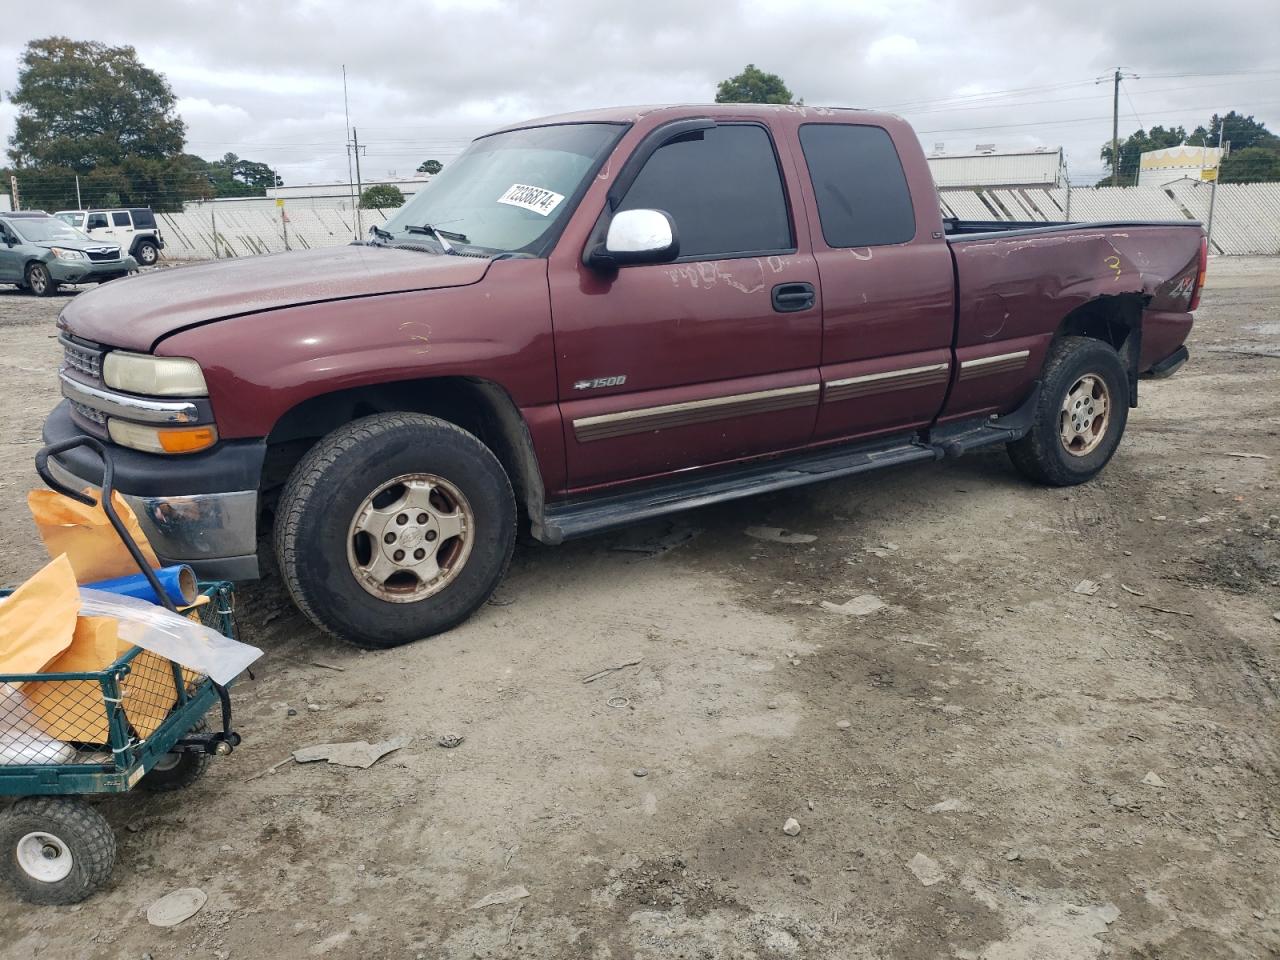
<point x="893" y="49"/>
<point x="425" y="77"/>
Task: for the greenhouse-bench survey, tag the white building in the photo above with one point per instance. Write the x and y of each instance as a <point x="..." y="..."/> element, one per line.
<point x="1043" y="167"/>
<point x="310" y="196"/>
<point x="1187" y="162"/>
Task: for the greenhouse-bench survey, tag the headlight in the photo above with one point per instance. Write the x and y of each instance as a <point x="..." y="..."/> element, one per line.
<point x="153" y="376"/>
<point x="161" y="439"/>
<point x="64" y="254"/>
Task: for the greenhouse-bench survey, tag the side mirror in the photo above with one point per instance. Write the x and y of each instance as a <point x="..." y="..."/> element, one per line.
<point x="637" y="236"/>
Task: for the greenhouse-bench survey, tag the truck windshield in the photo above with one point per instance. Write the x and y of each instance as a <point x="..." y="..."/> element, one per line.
<point x="506" y="192"/>
<point x="45" y="230"/>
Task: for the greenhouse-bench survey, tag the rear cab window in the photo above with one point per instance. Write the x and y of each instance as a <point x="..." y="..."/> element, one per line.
<point x="724" y="192"/>
<point x="859" y="184"/>
<point x="121" y="218"/>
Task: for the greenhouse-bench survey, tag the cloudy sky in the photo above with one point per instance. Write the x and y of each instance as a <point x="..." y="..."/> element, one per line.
<point x="264" y="80"/>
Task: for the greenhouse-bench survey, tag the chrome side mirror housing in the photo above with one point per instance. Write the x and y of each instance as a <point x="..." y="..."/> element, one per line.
<point x="637" y="236"/>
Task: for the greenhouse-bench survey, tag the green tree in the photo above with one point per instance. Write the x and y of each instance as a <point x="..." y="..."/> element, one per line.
<point x="381" y="196"/>
<point x="430" y="166"/>
<point x="753" y="85"/>
<point x="83" y="104"/>
<point x="1251" y="165"/>
<point x="1133" y="146"/>
<point x="1238" y="130"/>
<point x="233" y="177"/>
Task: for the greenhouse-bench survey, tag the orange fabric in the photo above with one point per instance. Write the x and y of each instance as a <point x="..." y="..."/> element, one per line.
<point x="38" y="620"/>
<point x="86" y="536"/>
<point x="74" y="710"/>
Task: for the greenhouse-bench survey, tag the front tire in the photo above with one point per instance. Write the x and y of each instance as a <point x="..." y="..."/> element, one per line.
<point x="55" y="850"/>
<point x="39" y="281"/>
<point x="1080" y="417"/>
<point x="393" y="528"/>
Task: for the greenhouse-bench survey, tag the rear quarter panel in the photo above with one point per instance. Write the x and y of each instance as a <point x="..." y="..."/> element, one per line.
<point x="1015" y="292"/>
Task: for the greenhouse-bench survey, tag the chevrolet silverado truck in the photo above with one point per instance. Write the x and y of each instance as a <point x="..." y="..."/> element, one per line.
<point x="595" y="319"/>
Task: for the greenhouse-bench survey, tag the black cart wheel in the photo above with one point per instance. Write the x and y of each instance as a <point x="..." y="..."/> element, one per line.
<point x="55" y="850"/>
<point x="177" y="771"/>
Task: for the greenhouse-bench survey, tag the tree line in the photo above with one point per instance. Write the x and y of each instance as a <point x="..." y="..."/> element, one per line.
<point x="95" y="112"/>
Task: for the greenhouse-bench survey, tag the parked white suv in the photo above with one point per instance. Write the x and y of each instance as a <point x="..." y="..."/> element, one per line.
<point x="131" y="228"/>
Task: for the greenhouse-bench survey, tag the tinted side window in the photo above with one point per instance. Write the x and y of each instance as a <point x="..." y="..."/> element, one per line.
<point x="96" y="220"/>
<point x="143" y="219"/>
<point x="120" y="218"/>
<point x="724" y="193"/>
<point x="862" y="194"/>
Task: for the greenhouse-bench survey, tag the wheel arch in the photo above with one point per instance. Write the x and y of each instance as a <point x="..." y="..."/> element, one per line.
<point x="481" y="407"/>
<point x="1115" y="320"/>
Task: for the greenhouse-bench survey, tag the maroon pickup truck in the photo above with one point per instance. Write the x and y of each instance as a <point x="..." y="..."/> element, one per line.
<point x="594" y="319"/>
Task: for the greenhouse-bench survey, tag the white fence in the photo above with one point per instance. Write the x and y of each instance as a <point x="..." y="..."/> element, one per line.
<point x="1246" y="217"/>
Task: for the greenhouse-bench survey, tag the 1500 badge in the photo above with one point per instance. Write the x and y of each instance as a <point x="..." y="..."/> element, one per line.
<point x="599" y="382"/>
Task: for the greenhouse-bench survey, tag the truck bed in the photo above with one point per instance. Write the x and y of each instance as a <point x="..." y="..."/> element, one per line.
<point x="958" y="230"/>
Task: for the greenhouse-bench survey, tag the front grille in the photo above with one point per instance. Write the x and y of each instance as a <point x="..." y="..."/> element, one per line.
<point x="89" y="413"/>
<point x="81" y="358"/>
<point x="104" y="253"/>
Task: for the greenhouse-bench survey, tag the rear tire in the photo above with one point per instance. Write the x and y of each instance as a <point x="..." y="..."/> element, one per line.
<point x="55" y="850"/>
<point x="39" y="281"/>
<point x="393" y="528"/>
<point x="147" y="253"/>
<point x="1080" y="416"/>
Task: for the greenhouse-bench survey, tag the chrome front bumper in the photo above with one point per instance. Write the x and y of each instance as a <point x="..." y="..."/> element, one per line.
<point x="216" y="533"/>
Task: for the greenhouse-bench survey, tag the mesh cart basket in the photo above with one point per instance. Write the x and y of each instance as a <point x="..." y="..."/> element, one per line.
<point x="138" y="722"/>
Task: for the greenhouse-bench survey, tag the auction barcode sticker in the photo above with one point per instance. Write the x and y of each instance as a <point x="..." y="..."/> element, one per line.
<point x="537" y="199"/>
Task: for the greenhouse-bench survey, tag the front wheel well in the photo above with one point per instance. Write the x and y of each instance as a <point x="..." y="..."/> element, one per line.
<point x="481" y="407"/>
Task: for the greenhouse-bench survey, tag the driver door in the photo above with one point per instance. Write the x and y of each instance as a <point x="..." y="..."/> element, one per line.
<point x="671" y="366"/>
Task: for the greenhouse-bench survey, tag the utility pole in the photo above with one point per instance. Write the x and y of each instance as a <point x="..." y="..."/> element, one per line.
<point x="1115" y="78"/>
<point x="354" y="146"/>
<point x="1213" y="190"/>
<point x="79" y="204"/>
<point x="346" y="111"/>
<point x="13" y="191"/>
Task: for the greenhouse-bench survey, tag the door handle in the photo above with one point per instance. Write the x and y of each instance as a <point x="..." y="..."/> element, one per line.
<point x="793" y="297"/>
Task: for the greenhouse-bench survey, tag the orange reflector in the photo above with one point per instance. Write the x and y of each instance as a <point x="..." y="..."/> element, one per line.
<point x="187" y="439"/>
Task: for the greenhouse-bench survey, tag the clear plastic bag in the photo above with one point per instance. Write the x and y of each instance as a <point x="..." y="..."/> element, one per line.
<point x="184" y="641"/>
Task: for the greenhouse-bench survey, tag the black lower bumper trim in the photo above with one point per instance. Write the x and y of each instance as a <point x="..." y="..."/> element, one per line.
<point x="1170" y="364"/>
<point x="230" y="466"/>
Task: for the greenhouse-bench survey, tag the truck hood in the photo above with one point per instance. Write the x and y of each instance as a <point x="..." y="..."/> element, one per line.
<point x="137" y="312"/>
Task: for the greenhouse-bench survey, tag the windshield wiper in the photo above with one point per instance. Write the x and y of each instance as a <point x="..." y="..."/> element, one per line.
<point x="380" y="233"/>
<point x="442" y="236"/>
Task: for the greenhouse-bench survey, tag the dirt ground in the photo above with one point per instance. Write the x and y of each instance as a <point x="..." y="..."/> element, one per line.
<point x="990" y="795"/>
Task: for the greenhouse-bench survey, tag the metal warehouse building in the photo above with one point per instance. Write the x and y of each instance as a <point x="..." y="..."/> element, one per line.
<point x="1042" y="167"/>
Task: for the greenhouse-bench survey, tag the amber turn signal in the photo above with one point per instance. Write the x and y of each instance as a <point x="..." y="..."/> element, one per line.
<point x="187" y="439"/>
<point x="162" y="439"/>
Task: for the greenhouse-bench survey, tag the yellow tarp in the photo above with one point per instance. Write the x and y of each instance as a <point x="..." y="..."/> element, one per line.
<point x="86" y="536"/>
<point x="38" y="619"/>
